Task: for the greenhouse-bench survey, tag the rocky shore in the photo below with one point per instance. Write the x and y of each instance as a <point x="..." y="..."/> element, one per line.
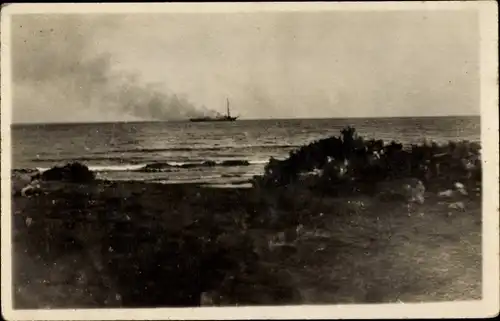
<point x="309" y="231"/>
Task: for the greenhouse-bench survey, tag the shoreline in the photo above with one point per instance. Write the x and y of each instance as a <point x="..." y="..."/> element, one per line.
<point x="342" y="220"/>
<point x="166" y="167"/>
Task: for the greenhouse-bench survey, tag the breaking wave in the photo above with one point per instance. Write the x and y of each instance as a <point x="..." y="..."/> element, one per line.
<point x="162" y="166"/>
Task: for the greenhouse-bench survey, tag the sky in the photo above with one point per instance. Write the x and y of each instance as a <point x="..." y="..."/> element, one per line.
<point x="170" y="66"/>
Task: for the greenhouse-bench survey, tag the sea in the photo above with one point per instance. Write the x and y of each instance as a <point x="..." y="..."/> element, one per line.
<point x="236" y="150"/>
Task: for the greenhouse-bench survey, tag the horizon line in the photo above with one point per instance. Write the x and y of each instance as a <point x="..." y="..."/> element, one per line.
<point x="239" y="120"/>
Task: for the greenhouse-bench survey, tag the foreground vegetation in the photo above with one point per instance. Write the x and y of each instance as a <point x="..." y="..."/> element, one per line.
<point x="351" y="161"/>
<point x="314" y="229"/>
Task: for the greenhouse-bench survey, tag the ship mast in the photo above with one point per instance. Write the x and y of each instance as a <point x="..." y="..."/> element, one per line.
<point x="227" y="104"/>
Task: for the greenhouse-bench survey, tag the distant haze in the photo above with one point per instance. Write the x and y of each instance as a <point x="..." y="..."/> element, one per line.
<point x="79" y="68"/>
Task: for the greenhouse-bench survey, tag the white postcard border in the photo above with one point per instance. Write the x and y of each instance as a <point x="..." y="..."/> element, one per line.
<point x="488" y="306"/>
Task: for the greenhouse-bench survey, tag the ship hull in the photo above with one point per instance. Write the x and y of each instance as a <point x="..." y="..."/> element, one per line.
<point x="202" y="120"/>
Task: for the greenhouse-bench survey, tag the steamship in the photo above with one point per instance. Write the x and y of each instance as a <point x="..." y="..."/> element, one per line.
<point x="219" y="117"/>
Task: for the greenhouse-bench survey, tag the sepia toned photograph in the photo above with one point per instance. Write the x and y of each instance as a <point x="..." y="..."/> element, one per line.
<point x="269" y="156"/>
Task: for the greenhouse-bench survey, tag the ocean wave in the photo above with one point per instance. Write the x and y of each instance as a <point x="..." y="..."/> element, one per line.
<point x="167" y="166"/>
<point x="190" y="149"/>
<point x="85" y="159"/>
<point x="160" y="166"/>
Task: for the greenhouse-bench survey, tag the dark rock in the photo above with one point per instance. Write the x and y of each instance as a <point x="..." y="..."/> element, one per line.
<point x="189" y="165"/>
<point x="156" y="167"/>
<point x="236" y="162"/>
<point x="73" y="172"/>
<point x="208" y="163"/>
<point x="30" y="171"/>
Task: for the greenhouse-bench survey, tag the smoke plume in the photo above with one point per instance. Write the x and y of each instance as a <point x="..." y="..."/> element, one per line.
<point x="56" y="63"/>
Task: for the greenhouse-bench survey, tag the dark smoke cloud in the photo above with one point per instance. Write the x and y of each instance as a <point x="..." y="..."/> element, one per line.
<point x="150" y="101"/>
<point x="56" y="61"/>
